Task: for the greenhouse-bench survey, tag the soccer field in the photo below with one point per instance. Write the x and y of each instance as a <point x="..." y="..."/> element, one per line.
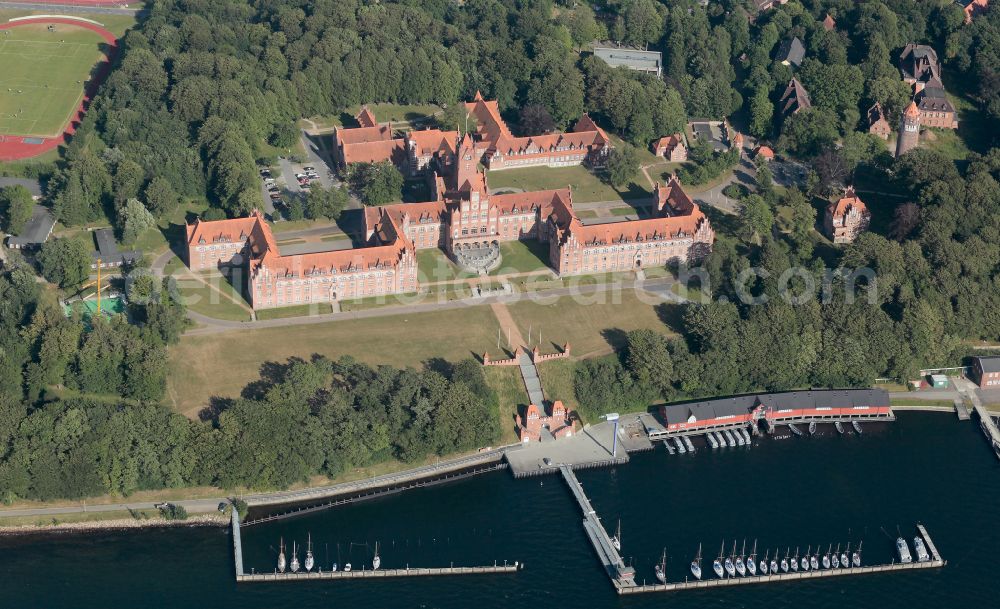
<point x="43" y="76"/>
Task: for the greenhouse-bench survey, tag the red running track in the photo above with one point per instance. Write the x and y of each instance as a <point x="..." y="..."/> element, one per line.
<point x="14" y="147"/>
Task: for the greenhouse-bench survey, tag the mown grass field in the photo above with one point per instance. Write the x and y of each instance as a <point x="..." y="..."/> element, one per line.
<point x="43" y="76"/>
<point x="585" y="185"/>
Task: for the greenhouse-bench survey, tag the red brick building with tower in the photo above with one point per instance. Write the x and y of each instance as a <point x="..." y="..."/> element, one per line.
<point x="534" y="424"/>
<point x="909" y="130"/>
<point x="846" y="218"/>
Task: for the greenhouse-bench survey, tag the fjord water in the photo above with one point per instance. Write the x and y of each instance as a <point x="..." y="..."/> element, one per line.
<point x="925" y="467"/>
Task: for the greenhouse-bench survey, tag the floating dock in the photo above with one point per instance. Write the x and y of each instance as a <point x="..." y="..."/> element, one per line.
<point x="237" y="544"/>
<point x="381" y="573"/>
<point x="989" y="428"/>
<point x="621" y="575"/>
<point x="934" y="563"/>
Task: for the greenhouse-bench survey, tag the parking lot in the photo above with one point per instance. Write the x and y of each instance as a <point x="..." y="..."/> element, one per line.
<point x="290" y="180"/>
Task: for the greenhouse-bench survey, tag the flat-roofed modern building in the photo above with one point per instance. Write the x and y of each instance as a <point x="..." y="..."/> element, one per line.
<point x="650" y="62"/>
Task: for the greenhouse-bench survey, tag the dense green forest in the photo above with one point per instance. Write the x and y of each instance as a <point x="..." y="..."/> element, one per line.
<point x="202" y="86"/>
<point x="66" y="433"/>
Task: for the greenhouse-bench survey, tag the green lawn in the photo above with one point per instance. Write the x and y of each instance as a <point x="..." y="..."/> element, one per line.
<point x="947" y="142"/>
<point x="440" y="293"/>
<point x="522" y="257"/>
<point x="43" y="77"/>
<point x="222" y="302"/>
<point x="586" y="186"/>
<point x="222" y="364"/>
<point x="434" y="265"/>
<point x="397" y="113"/>
<point x="507" y="382"/>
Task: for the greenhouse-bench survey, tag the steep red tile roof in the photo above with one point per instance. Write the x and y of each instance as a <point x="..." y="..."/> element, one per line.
<point x="545" y="200"/>
<point x="363" y="135"/>
<point x="764" y="151"/>
<point x="668" y="142"/>
<point x="491" y="126"/>
<point x="429" y="141"/>
<point x="366" y="118"/>
<point x="222" y="231"/>
<point x="375" y="152"/>
<point x="849" y="201"/>
<point x="829" y="23"/>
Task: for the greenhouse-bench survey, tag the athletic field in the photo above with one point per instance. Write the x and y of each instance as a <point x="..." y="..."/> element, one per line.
<point x="43" y="76"/>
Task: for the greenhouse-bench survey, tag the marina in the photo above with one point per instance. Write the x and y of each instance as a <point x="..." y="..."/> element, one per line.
<point x="989" y="427"/>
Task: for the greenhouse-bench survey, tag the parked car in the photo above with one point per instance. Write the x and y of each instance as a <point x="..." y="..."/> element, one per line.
<point x="308" y="169"/>
<point x="265" y="172"/>
<point x="272" y="188"/>
<point x="299" y="176"/>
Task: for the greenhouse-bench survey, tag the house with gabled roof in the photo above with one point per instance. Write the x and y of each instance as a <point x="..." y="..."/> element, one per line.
<point x="846" y="218"/>
<point x="794" y="99"/>
<point x="877" y="122"/>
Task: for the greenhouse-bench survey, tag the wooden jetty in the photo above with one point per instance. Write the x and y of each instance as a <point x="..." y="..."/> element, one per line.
<point x="961" y="410"/>
<point x="237" y="544"/>
<point x="621" y="575"/>
<point x="934" y="563"/>
<point x="381" y="573"/>
<point x="989" y="428"/>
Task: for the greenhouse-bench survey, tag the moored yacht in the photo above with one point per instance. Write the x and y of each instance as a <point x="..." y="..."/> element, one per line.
<point x="688" y="444"/>
<point x="805" y="559"/>
<point x="812" y="427"/>
<point x="903" y="550"/>
<point x="845" y="561"/>
<point x="835" y="557"/>
<point x="826" y="557"/>
<point x="717" y="563"/>
<point x="839" y="426"/>
<point x="711" y="440"/>
<point x="741" y="567"/>
<point x="774" y="562"/>
<point x="616" y="541"/>
<point x="857" y="427"/>
<point x="680" y="446"/>
<point x="347" y="566"/>
<point x="921" y="549"/>
<point x="752" y="560"/>
<point x="814" y="560"/>
<point x="795" y="561"/>
<point x="763" y="563"/>
<point x="661" y="568"/>
<point x="730" y="567"/>
<point x="376" y="560"/>
<point x="310" y="561"/>
<point x="856" y="557"/>
<point x="695" y="564"/>
<point x="281" y="555"/>
<point x="295" y="559"/>
<point x="784" y="562"/>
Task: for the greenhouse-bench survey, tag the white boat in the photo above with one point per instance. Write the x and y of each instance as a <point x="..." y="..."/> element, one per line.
<point x="845" y="562"/>
<point x="921" y="549"/>
<point x="784" y="562"/>
<point x="281" y="556"/>
<point x="774" y="562"/>
<point x="857" y="427"/>
<point x="804" y="563"/>
<point x="717" y="563"/>
<point x="794" y="429"/>
<point x="903" y="550"/>
<point x="680" y="446"/>
<point x="814" y="560"/>
<point x="695" y="564"/>
<point x="839" y="426"/>
<point x="616" y="541"/>
<point x="730" y="567"/>
<point x="741" y="567"/>
<point x="721" y="439"/>
<point x="794" y="564"/>
<point x="347" y="566"/>
<point x="688" y="443"/>
<point x="661" y="568"/>
<point x="752" y="560"/>
<point x="835" y="557"/>
<point x="763" y="563"/>
<point x="856" y="557"/>
<point x="334" y="567"/>
<point x="812" y="428"/>
<point x="377" y="560"/>
<point x="670" y="447"/>
<point x="746" y="435"/>
<point x="711" y="441"/>
<point x="310" y="561"/>
<point x="826" y="557"/>
<point x="730" y="440"/>
<point x="739" y="438"/>
<point x="295" y="558"/>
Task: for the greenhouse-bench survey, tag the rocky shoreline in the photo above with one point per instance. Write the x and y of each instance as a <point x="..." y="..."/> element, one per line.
<point x="115" y="524"/>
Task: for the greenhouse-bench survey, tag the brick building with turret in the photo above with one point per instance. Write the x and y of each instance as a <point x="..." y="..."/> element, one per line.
<point x="846" y="218"/>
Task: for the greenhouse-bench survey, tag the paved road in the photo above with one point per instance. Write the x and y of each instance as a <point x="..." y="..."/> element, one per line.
<point x="32" y="185"/>
<point x="70" y="9"/>
<point x="658" y="290"/>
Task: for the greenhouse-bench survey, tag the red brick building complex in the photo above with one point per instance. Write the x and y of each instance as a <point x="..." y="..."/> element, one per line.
<point x="535" y="425"/>
<point x="465" y="220"/>
<point x="986" y="371"/>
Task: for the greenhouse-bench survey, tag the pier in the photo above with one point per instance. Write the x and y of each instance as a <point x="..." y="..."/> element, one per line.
<point x="381" y="573"/>
<point x="237" y="544"/>
<point x="622" y="576"/>
<point x="934" y="563"/>
<point x="989" y="428"/>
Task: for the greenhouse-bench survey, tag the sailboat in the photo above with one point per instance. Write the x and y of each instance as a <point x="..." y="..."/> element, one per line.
<point x="814" y="559"/>
<point x="812" y="427"/>
<point x="856" y="557"/>
<point x="845" y="562"/>
<point x="805" y="559"/>
<point x="377" y="560"/>
<point x="347" y="566"/>
<point x="826" y="557"/>
<point x="784" y="562"/>
<point x="309" y="555"/>
<point x="741" y="568"/>
<point x="835" y="557"/>
<point x="839" y="426"/>
<point x="295" y="558"/>
<point x="730" y="569"/>
<point x="763" y="563"/>
<point x="695" y="564"/>
<point x="795" y="560"/>
<point x="717" y="563"/>
<point x="616" y="541"/>
<point x="281" y="556"/>
<point x="752" y="560"/>
<point x="774" y="562"/>
<point x="661" y="568"/>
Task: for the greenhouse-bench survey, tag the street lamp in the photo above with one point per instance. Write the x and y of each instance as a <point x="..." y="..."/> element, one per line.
<point x="612" y="417"/>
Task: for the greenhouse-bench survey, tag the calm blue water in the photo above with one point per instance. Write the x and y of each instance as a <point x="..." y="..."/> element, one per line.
<point x="793" y="492"/>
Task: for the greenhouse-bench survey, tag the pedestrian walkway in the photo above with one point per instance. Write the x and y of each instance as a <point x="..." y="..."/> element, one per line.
<point x="532" y="383"/>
